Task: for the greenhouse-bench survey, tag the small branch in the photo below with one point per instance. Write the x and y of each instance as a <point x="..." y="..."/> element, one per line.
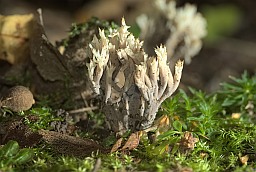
<point x="97" y="165"/>
<point x="83" y="109"/>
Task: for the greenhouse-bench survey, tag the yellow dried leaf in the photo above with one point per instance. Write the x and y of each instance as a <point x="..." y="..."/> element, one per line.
<point x="164" y="120"/>
<point x="15" y="31"/>
<point x="163" y="123"/>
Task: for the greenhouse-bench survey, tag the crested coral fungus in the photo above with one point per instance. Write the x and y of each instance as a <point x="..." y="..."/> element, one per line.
<point x="130" y="84"/>
<point x="180" y="29"/>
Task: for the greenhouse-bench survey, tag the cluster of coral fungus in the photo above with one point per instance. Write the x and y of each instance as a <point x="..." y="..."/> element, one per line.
<point x="131" y="84"/>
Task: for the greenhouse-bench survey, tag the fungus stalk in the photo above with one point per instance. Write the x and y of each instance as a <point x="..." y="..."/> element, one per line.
<point x="130" y="84"/>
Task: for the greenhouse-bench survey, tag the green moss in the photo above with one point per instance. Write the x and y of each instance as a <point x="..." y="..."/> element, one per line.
<point x="93" y="23"/>
<point x="221" y="139"/>
<point x="12" y="157"/>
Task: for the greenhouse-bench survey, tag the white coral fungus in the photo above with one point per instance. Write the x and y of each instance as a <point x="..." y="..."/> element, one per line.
<point x="184" y="27"/>
<point x="130" y="84"/>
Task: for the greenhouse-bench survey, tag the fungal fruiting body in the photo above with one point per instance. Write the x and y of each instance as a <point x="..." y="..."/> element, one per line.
<point x="130" y="84"/>
<point x="17" y="98"/>
<point x="180" y="29"/>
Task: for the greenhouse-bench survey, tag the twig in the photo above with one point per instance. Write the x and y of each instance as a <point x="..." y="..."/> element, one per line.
<point x="97" y="165"/>
<point x="83" y="109"/>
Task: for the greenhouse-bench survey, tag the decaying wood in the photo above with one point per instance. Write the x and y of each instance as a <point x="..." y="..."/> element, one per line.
<point x="70" y="145"/>
<point x="59" y="74"/>
<point x="15" y="129"/>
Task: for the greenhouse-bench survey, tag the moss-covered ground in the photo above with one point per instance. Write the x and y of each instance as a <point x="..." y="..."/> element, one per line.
<point x="205" y="132"/>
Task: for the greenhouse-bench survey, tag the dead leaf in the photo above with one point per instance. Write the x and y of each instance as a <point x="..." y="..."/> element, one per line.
<point x="15" y="33"/>
<point x="187" y="142"/>
<point x="117" y="145"/>
<point x="163" y="123"/>
<point x="132" y="142"/>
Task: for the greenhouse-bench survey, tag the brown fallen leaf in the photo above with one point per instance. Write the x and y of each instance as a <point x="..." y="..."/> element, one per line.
<point x="70" y="145"/>
<point x="132" y="142"/>
<point x="15" y="33"/>
<point x="187" y="142"/>
<point x="117" y="145"/>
